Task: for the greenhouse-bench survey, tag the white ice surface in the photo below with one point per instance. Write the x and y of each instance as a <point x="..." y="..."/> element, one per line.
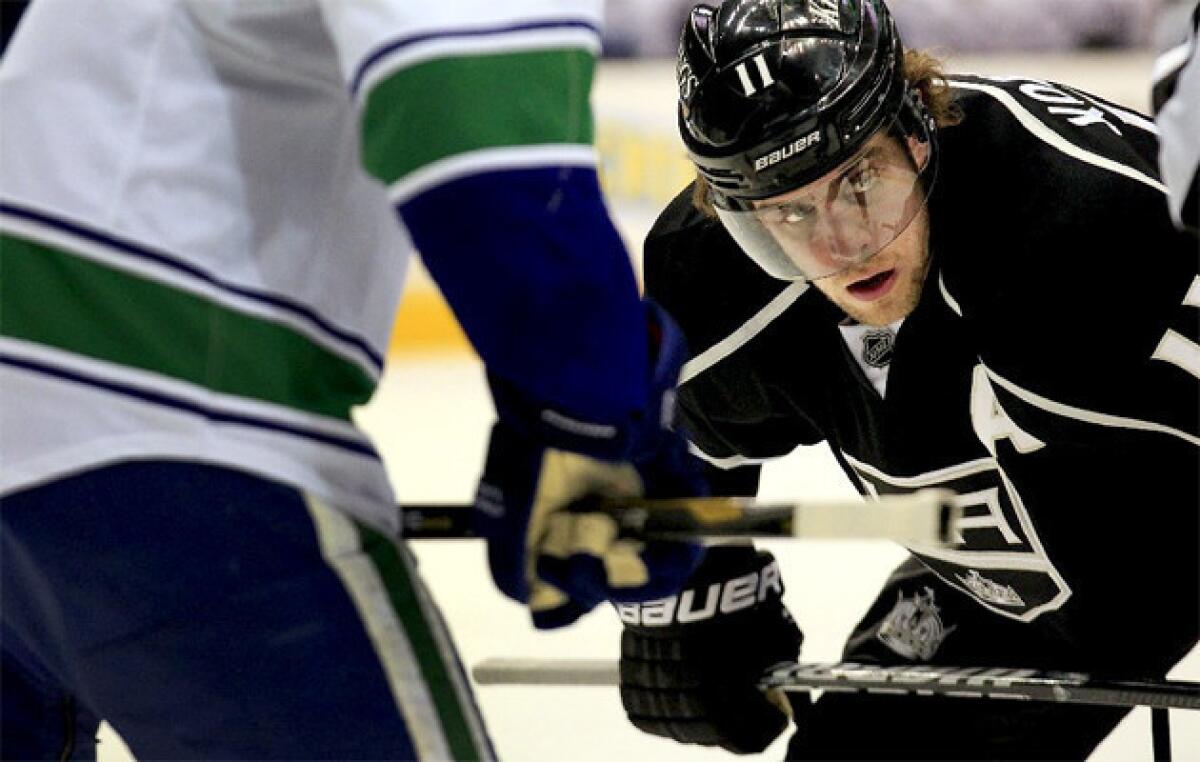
<point x="431" y="418"/>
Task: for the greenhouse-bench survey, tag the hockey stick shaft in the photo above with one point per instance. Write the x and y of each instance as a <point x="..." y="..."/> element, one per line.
<point x="915" y="680"/>
<point x="928" y="516"/>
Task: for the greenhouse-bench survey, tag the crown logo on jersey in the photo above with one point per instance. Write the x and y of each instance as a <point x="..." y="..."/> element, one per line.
<point x="914" y="627"/>
<point x="878" y="347"/>
<point x="990" y="591"/>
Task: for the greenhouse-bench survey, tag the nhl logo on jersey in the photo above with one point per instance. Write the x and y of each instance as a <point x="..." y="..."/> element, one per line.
<point x="877" y="347"/>
<point x="914" y="627"/>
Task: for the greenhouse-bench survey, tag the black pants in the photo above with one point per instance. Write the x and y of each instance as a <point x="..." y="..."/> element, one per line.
<point x="918" y="618"/>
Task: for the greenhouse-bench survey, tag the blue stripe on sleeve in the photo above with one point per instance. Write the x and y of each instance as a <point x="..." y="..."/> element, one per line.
<point x="541" y="282"/>
<point x="394" y="45"/>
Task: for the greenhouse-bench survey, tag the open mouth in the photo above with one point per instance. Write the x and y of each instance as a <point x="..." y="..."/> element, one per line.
<point x="869" y="289"/>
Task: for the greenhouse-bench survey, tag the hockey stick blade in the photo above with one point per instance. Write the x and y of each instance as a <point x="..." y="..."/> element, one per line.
<point x="962" y="682"/>
<point x="925" y="517"/>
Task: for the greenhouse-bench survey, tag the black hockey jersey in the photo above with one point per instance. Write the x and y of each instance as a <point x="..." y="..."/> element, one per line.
<point x="1050" y="374"/>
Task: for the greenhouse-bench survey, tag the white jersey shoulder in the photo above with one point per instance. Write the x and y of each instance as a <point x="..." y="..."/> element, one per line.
<point x="185" y="186"/>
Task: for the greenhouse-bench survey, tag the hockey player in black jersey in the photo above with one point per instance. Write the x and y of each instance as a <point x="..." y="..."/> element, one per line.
<point x="954" y="281"/>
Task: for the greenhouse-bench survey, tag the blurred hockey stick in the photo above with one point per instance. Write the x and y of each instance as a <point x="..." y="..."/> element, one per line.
<point x="928" y="516"/>
<point x="849" y="677"/>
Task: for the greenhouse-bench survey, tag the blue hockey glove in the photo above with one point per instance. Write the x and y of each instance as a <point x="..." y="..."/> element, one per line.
<point x="560" y="562"/>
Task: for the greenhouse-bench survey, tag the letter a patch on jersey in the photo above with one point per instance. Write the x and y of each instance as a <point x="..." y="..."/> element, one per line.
<point x="991" y="422"/>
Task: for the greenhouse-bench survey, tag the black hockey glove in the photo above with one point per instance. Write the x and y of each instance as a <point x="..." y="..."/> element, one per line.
<point x="690" y="664"/>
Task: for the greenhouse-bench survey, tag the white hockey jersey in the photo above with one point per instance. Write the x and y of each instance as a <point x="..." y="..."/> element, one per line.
<point x="199" y="255"/>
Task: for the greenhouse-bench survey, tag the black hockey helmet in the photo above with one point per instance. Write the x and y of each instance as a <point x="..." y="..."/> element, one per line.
<point x="775" y="94"/>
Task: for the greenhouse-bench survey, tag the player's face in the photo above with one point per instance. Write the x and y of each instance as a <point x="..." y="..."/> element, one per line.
<point x="857" y="233"/>
<point x="885" y="287"/>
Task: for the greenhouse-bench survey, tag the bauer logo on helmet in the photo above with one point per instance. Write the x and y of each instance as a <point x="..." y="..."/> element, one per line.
<point x="794" y="148"/>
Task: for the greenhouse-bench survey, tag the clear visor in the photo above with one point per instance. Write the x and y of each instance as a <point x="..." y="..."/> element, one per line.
<point x="840" y="220"/>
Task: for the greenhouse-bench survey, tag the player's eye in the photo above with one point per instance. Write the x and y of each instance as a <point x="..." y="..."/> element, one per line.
<point x="794" y="214"/>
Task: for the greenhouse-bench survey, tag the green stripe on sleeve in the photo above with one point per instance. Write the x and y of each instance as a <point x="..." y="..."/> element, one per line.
<point x="385" y="555"/>
<point x="75" y="304"/>
<point x="449" y="106"/>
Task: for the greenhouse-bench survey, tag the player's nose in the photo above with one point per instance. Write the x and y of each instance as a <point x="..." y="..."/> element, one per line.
<point x="838" y="243"/>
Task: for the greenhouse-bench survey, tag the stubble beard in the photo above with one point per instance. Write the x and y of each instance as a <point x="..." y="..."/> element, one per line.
<point x="898" y="304"/>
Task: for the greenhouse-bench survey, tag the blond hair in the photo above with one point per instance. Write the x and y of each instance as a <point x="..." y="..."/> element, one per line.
<point x="922" y="71"/>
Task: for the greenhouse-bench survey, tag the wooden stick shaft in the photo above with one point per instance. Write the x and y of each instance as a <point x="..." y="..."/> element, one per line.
<point x="924" y="517"/>
<point x="965" y="682"/>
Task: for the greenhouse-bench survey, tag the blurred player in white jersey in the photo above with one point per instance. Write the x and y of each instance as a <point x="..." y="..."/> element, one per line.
<point x="207" y="209"/>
